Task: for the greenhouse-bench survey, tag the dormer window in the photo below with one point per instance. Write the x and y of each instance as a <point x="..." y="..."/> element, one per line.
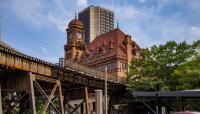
<point x="100" y="56"/>
<point x="137" y="55"/>
<point x="123" y="66"/>
<point x="110" y="49"/>
<point x="87" y="59"/>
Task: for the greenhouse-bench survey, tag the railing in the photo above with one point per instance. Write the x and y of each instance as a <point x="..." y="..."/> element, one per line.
<point x="3" y="44"/>
<point x="77" y="67"/>
<point x="90" y="72"/>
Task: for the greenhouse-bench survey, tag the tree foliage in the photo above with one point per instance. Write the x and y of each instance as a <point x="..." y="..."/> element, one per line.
<point x="169" y="65"/>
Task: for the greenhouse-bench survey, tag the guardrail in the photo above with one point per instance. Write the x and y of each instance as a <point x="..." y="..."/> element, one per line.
<point x="77" y="67"/>
<point x="89" y="71"/>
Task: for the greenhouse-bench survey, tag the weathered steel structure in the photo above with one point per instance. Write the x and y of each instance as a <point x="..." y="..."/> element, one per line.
<point x="24" y="79"/>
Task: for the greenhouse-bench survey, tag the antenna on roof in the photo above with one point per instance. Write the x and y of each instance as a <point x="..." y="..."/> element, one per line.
<point x="75" y="15"/>
<point x="117" y="24"/>
<point x="0" y="28"/>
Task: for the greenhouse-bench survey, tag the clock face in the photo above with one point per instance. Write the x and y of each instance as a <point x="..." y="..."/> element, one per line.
<point x="71" y="36"/>
<point x="79" y="35"/>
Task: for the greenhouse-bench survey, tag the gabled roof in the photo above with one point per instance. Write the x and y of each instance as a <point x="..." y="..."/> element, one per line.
<point x="110" y="40"/>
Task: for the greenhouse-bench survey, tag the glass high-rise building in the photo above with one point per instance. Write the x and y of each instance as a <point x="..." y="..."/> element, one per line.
<point x="97" y="20"/>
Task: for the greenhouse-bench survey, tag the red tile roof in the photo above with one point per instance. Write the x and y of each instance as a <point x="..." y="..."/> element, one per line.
<point x="75" y="22"/>
<point x="111" y="40"/>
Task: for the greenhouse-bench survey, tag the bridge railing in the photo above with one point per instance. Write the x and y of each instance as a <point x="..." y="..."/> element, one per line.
<point x="89" y="71"/>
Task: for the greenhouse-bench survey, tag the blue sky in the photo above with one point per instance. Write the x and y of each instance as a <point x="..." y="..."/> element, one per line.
<point x="37" y="27"/>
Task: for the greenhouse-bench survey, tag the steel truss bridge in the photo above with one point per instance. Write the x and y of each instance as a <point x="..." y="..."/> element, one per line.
<point x="25" y="79"/>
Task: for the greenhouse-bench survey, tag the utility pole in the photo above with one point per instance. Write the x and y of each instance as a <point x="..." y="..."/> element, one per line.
<point x="0" y="28"/>
<point x="105" y="94"/>
<point x="87" y="101"/>
<point x="1" y="110"/>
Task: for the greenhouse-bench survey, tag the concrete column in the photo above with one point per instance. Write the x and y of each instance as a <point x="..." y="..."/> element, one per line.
<point x="1" y="110"/>
<point x="99" y="101"/>
<point x="163" y="110"/>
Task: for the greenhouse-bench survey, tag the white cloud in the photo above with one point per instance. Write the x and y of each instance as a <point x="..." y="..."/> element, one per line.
<point x="44" y="49"/>
<point x="37" y="14"/>
<point x="141" y="1"/>
<point x="194" y="4"/>
<point x="129" y="12"/>
<point x="148" y="26"/>
<point x="195" y="31"/>
<point x="144" y="23"/>
<point x="50" y="59"/>
<point x="82" y="2"/>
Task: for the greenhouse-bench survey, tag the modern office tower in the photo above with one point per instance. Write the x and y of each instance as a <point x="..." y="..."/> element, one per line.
<point x="96" y="20"/>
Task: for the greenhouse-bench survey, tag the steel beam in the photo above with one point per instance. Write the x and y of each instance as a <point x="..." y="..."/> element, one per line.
<point x="87" y="101"/>
<point x="44" y="94"/>
<point x="49" y="99"/>
<point x="60" y="97"/>
<point x="57" y="85"/>
<point x="31" y="93"/>
<point x="1" y="110"/>
<point x="74" y="109"/>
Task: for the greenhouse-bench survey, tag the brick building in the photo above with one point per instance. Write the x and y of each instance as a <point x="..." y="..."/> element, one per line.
<point x="113" y="49"/>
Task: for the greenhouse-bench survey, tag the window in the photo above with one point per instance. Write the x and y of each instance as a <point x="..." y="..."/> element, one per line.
<point x="113" y="66"/>
<point x="87" y="60"/>
<point x="93" y="106"/>
<point x="109" y="67"/>
<point x="123" y="66"/>
<point x="100" y="56"/>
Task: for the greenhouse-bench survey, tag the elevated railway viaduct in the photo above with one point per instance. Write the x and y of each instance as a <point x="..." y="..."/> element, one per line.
<point x="24" y="79"/>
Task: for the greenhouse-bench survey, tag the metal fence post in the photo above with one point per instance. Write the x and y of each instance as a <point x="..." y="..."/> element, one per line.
<point x="99" y="101"/>
<point x="1" y="110"/>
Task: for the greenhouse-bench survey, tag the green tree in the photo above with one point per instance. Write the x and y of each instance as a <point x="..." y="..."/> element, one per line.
<point x="161" y="65"/>
<point x="187" y="76"/>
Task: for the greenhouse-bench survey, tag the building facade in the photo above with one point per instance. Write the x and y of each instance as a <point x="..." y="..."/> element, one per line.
<point x="113" y="49"/>
<point x="96" y="20"/>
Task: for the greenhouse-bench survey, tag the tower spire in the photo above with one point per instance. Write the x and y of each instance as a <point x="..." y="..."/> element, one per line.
<point x="117" y="24"/>
<point x="75" y="15"/>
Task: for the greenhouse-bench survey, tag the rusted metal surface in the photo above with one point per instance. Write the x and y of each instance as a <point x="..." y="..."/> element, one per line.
<point x="73" y="74"/>
<point x="32" y="93"/>
<point x="13" y="58"/>
<point x="91" y="72"/>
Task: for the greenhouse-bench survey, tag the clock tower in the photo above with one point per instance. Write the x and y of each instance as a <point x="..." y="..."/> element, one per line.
<point x="75" y="40"/>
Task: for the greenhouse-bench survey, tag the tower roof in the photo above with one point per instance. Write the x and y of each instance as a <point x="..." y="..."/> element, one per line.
<point x="75" y="22"/>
